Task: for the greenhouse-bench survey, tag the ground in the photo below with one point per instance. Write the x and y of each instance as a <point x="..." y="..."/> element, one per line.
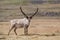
<point x="39" y="29"/>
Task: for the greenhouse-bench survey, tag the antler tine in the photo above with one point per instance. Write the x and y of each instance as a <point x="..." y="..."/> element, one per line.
<point x="34" y="13"/>
<point x="23" y="13"/>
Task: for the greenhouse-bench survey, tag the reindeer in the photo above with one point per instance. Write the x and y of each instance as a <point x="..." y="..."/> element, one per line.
<point x="20" y="23"/>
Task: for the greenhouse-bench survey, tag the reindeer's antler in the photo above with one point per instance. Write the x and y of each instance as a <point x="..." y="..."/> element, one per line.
<point x="34" y="13"/>
<point x="23" y="13"/>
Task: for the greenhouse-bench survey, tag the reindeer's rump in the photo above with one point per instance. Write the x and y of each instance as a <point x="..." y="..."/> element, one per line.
<point x="17" y="22"/>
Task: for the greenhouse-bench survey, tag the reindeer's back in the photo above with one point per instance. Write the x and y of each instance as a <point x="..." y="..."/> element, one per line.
<point x="19" y="21"/>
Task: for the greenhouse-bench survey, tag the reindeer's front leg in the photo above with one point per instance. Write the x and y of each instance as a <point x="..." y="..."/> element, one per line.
<point x="26" y="29"/>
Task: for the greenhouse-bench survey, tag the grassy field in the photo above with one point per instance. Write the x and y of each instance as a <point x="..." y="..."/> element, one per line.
<point x="41" y="27"/>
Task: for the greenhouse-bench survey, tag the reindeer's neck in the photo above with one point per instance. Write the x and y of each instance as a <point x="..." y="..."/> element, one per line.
<point x="26" y="21"/>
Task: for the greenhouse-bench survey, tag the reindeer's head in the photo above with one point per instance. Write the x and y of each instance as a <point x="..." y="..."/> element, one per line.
<point x="27" y="17"/>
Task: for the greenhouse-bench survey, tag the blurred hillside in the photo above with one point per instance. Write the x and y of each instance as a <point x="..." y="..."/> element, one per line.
<point x="45" y="1"/>
<point x="9" y="9"/>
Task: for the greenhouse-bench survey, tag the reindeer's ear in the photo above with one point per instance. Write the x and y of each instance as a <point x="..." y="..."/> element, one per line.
<point x="30" y="17"/>
<point x="27" y="17"/>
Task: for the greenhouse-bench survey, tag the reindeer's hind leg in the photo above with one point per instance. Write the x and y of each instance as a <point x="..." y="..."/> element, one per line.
<point x="11" y="29"/>
<point x="15" y="30"/>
